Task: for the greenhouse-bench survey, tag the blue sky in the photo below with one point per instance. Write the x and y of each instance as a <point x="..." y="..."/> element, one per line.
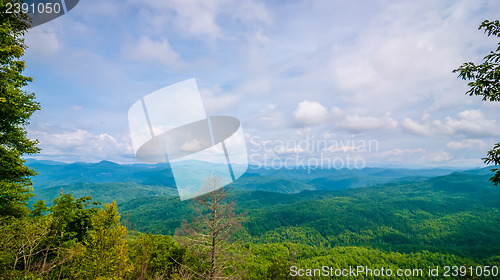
<point x="339" y="74"/>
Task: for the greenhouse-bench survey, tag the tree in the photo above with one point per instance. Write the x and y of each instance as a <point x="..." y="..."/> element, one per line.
<point x="155" y="256"/>
<point x="39" y="209"/>
<point x="485" y="81"/>
<point x="106" y="249"/>
<point x="279" y="269"/>
<point x="73" y="217"/>
<point x="29" y="244"/>
<point x="209" y="234"/>
<point x="16" y="107"/>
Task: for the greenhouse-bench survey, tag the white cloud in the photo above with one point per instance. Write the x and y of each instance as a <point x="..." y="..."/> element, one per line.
<point x="436" y="157"/>
<point x="216" y="100"/>
<point x="416" y="128"/>
<point x="356" y="123"/>
<point x="471" y="123"/>
<point x="194" y="145"/>
<point x="99" y="8"/>
<point x="251" y="11"/>
<point x="268" y="118"/>
<point x="80" y="142"/>
<point x="336" y="113"/>
<point x="405" y="56"/>
<point x="147" y="50"/>
<point x="418" y="156"/>
<point x="467" y="144"/>
<point x="42" y="42"/>
<point x="199" y="18"/>
<point x="285" y="150"/>
<point x="310" y="113"/>
<point x="404" y="153"/>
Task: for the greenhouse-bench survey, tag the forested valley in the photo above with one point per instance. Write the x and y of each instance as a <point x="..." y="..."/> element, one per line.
<point x="411" y="222"/>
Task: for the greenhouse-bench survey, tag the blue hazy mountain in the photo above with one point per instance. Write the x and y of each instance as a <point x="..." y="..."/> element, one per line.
<point x="52" y="173"/>
<point x="107" y="180"/>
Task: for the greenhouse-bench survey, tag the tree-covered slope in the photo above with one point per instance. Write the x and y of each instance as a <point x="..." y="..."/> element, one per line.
<point x="456" y="214"/>
<point x="104" y="192"/>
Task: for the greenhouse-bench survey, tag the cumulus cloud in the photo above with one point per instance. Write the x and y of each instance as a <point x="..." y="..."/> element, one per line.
<point x="199" y="19"/>
<point x="216" y="100"/>
<point x="249" y="11"/>
<point x="194" y="145"/>
<point x="404" y="57"/>
<point x="436" y="157"/>
<point x="42" y="42"/>
<point x="416" y="128"/>
<point x="310" y="113"/>
<point x="355" y="123"/>
<point x="80" y="142"/>
<point x="336" y="113"/>
<point x="397" y="152"/>
<point x="466" y="144"/>
<point x="148" y="50"/>
<point x="285" y="150"/>
<point x="418" y="156"/>
<point x="471" y="123"/>
<point x="268" y="118"/>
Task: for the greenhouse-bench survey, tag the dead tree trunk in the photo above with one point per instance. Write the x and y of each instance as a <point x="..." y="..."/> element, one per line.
<point x="209" y="234"/>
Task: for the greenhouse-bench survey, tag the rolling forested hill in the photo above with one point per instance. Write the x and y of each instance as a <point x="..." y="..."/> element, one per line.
<point x="457" y="213"/>
<point x="375" y="216"/>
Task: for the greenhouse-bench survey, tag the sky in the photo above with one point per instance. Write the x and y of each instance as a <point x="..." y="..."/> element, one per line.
<point x="329" y="83"/>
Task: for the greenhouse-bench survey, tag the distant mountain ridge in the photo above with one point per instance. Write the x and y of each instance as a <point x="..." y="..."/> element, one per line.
<point x="52" y="173"/>
<point x="105" y="179"/>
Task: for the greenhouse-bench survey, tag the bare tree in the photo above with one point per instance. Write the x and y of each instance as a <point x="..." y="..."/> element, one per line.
<point x="28" y="244"/>
<point x="210" y="233"/>
<point x="32" y="244"/>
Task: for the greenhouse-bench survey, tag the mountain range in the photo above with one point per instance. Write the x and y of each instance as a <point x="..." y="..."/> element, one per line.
<point x="408" y="211"/>
<point x="107" y="180"/>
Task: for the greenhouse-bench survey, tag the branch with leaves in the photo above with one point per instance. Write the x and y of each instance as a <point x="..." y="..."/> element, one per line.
<point x="485" y="82"/>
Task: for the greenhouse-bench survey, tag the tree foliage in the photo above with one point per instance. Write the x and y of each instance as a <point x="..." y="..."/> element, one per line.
<point x="16" y="107"/>
<point x="106" y="249"/>
<point x="155" y="256"/>
<point x="73" y="217"/>
<point x="441" y="221"/>
<point x="485" y="82"/>
<point x="43" y="244"/>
